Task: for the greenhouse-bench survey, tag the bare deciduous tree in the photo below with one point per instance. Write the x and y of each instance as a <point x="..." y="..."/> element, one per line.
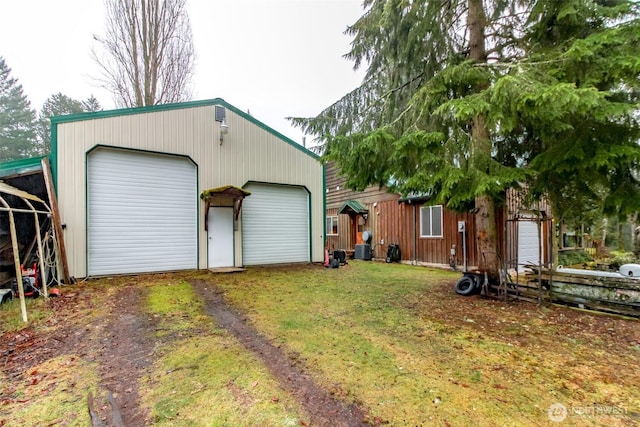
<point x="146" y="56"/>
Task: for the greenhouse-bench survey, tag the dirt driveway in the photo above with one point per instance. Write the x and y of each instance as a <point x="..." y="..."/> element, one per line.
<point x="123" y="349"/>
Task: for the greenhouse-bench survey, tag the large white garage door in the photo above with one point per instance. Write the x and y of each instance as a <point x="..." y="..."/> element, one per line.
<point x="142" y="212"/>
<point x="275" y="225"/>
<point x="528" y="252"/>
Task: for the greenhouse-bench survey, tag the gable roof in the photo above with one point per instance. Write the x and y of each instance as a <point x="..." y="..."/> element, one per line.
<point x="166" y="107"/>
<point x="352" y="206"/>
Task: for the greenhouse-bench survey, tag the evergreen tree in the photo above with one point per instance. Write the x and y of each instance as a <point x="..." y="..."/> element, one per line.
<point x="91" y="105"/>
<point x="17" y="134"/>
<point x="56" y="105"/>
<point x="582" y="115"/>
<point x="464" y="99"/>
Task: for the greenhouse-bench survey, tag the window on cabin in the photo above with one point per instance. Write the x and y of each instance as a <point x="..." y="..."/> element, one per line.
<point x="431" y="221"/>
<point x="332" y="226"/>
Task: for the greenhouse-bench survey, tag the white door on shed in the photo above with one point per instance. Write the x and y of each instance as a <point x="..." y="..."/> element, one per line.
<point x="142" y="212"/>
<point x="220" y="233"/>
<point x="528" y="252"/>
<point x="275" y="225"/>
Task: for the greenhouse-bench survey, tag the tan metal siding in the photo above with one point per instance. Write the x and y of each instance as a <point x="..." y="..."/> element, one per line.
<point x="248" y="153"/>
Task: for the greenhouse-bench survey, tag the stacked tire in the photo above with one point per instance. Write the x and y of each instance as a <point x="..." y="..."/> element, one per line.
<point x="466" y="285"/>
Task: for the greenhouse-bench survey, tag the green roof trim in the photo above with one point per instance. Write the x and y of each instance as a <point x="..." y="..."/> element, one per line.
<point x="175" y="106"/>
<point x="352" y="206"/>
<point x="21" y="166"/>
<point x="224" y="190"/>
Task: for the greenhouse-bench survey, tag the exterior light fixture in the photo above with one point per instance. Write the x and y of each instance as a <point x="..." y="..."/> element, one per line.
<point x="224" y="129"/>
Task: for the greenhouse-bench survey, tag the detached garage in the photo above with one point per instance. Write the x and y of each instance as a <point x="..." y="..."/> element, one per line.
<point x="129" y="186"/>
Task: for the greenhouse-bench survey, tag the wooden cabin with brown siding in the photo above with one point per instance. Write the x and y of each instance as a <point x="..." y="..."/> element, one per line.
<point x="394" y="220"/>
<point x="426" y="233"/>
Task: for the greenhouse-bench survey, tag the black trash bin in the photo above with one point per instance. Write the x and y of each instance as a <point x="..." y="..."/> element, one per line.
<point x="340" y="255"/>
<point x="393" y="253"/>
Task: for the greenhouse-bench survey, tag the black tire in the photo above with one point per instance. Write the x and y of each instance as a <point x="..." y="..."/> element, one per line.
<point x="6" y="297"/>
<point x="465" y="286"/>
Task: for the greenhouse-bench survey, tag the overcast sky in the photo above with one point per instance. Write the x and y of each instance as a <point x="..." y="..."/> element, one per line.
<point x="274" y="58"/>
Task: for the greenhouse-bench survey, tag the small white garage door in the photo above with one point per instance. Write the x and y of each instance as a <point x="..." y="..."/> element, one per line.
<point x="275" y="225"/>
<point x="142" y="212"/>
<point x="528" y="252"/>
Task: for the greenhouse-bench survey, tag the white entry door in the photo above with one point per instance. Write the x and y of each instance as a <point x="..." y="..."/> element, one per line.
<point x="220" y="233"/>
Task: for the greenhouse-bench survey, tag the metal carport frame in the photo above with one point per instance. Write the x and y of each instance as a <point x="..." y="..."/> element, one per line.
<point x="26" y="198"/>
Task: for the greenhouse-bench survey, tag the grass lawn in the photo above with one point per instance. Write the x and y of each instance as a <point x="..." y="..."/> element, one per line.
<point x="394" y="339"/>
<point x="397" y="340"/>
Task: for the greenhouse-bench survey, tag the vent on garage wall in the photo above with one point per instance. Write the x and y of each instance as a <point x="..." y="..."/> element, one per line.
<point x="221" y="113"/>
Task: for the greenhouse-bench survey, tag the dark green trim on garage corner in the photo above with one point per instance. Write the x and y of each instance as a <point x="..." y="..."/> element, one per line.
<point x="53" y="156"/>
<point x="324" y="208"/>
<point x="55" y="121"/>
<point x="310" y="207"/>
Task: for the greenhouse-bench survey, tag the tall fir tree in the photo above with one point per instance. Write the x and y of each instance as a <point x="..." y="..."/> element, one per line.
<point x="465" y="99"/>
<point x="59" y="105"/>
<point x="91" y="105"/>
<point x="17" y="119"/>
